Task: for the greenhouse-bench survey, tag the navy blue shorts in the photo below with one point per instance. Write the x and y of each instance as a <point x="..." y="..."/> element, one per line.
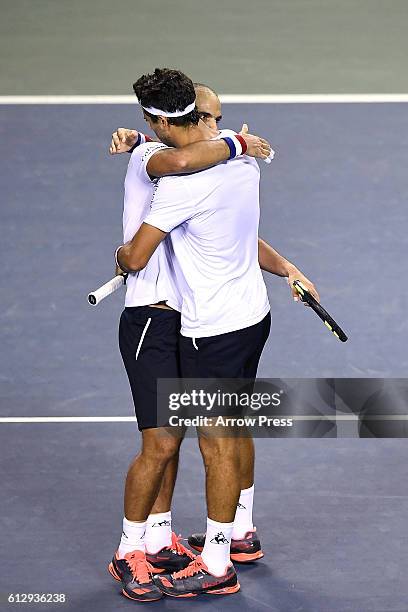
<point x="235" y="354"/>
<point x="149" y="345"/>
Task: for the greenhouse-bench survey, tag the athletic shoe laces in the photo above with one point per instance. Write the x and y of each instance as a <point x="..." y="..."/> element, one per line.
<point x="179" y="548"/>
<point x="139" y="567"/>
<point x="192" y="568"/>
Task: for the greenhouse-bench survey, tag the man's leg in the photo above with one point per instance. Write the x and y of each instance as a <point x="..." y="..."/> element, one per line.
<point x="228" y="355"/>
<point x="246" y="453"/>
<point x="243" y="522"/>
<point x="245" y="543"/>
<point x="223" y="485"/>
<point x="153" y="469"/>
<point x="213" y="572"/>
<point x="146" y="472"/>
<point x="165" y="495"/>
<point x="148" y="341"/>
<point x="143" y="482"/>
<point x="158" y="528"/>
<point x="246" y="462"/>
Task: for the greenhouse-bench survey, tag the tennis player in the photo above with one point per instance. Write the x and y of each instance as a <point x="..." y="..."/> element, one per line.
<point x="245" y="543"/>
<point x="225" y="310"/>
<point x="148" y="338"/>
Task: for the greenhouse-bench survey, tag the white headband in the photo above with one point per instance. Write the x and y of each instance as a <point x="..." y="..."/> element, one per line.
<point x="179" y="113"/>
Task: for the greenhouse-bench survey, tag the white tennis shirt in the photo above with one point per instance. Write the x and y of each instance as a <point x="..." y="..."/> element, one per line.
<point x="156" y="282"/>
<point x="213" y="217"/>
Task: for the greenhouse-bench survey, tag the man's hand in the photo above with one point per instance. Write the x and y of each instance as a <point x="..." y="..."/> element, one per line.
<point x="122" y="140"/>
<point x="118" y="270"/>
<point x="135" y="254"/>
<point x="295" y="274"/>
<point x="257" y="147"/>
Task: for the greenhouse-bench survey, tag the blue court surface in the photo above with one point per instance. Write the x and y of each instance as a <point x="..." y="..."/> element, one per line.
<point x="331" y="513"/>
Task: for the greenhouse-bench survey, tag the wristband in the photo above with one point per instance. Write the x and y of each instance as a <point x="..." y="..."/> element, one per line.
<point x="116" y="256"/>
<point x="236" y="145"/>
<point x="243" y="143"/>
<point x="141" y="139"/>
<point x="137" y="143"/>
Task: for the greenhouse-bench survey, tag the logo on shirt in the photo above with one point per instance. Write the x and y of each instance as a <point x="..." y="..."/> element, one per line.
<point x="241" y="506"/>
<point x="155" y="188"/>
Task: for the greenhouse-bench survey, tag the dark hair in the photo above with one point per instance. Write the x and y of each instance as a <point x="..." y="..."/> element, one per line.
<point x="169" y="90"/>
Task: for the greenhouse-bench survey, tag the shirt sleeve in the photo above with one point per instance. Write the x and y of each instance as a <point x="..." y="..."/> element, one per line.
<point x="171" y="205"/>
<point x="140" y="157"/>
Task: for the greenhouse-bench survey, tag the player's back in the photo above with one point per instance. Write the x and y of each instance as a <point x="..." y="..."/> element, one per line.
<point x="227" y="209"/>
<point x="215" y="248"/>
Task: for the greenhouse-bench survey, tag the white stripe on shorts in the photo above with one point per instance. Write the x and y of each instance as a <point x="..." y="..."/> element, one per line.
<point x="139" y="346"/>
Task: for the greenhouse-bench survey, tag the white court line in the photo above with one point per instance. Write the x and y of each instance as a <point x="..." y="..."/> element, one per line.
<point x="69" y="419"/>
<point x="225" y="98"/>
<point x="130" y="419"/>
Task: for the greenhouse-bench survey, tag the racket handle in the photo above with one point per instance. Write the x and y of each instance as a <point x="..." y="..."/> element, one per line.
<point x="110" y="287"/>
<point x="270" y="157"/>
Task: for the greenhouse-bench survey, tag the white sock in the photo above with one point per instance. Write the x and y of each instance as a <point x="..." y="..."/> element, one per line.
<point x="158" y="531"/>
<point x="216" y="551"/>
<point x="132" y="537"/>
<point x="243" y="515"/>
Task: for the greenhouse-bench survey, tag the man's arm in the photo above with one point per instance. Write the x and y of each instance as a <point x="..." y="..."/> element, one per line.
<point x="190" y="158"/>
<point x="172" y="204"/>
<point x="271" y="261"/>
<point x="135" y="254"/>
<point x="196" y="156"/>
<point x="204" y="154"/>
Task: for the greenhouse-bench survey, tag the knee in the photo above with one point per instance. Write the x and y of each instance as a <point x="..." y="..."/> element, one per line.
<point x="214" y="449"/>
<point x="167" y="450"/>
<point x="160" y="448"/>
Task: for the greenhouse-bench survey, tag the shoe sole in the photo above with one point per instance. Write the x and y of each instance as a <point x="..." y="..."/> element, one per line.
<point x="113" y="573"/>
<point x="239" y="557"/>
<point x="143" y="600"/>
<point x="224" y="591"/>
<point x="246" y="557"/>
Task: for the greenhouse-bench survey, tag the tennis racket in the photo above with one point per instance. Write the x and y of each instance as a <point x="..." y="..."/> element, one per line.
<point x="107" y="289"/>
<point x="330" y="323"/>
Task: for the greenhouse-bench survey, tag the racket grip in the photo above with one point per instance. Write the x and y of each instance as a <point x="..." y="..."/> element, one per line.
<point x="110" y="287"/>
<point x="270" y="157"/>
